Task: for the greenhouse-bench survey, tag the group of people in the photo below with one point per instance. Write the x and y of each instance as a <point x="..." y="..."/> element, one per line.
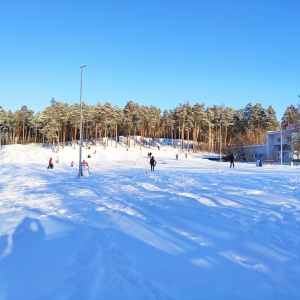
<point x="51" y="165"/>
<point x="84" y="164"/>
<point x="152" y="161"/>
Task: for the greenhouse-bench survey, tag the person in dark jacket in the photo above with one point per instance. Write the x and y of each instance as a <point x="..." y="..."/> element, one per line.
<point x="231" y="159"/>
<point x="152" y="163"/>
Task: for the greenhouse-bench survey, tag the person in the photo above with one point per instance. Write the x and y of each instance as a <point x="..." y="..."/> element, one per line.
<point x="50" y="166"/>
<point x="176" y="156"/>
<point x="85" y="166"/>
<point x="72" y="163"/>
<point x="231" y="159"/>
<point x="84" y="163"/>
<point x="152" y="163"/>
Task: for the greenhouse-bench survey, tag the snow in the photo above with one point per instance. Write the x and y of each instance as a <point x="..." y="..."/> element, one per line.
<point x="192" y="229"/>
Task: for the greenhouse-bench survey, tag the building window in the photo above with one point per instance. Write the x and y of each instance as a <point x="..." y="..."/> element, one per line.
<point x="278" y="140"/>
<point x="289" y="138"/>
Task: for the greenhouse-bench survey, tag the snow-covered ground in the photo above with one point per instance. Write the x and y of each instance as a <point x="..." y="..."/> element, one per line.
<point x="192" y="229"/>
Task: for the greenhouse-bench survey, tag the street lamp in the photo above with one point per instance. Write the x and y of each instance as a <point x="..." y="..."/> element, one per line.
<point x="80" y="126"/>
<point x="172" y="136"/>
<point x="281" y="145"/>
<point x="3" y="128"/>
<point x="1" y="110"/>
<point x="220" y="142"/>
<point x="0" y="137"/>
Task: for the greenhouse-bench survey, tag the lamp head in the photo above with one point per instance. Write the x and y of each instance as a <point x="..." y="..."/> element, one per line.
<point x="82" y="66"/>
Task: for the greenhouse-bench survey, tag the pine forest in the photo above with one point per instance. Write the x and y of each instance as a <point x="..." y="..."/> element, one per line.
<point x="201" y="127"/>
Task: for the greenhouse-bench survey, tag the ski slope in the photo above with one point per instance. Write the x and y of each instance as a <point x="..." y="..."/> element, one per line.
<point x="192" y="229"/>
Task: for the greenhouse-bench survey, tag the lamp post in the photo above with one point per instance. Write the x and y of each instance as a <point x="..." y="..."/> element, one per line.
<point x="281" y="145"/>
<point x="220" y="142"/>
<point x="1" y="110"/>
<point x="3" y="133"/>
<point x="0" y="137"/>
<point x="80" y="126"/>
<point x="172" y="136"/>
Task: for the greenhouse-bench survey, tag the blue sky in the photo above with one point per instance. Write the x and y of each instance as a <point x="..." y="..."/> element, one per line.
<point x="155" y="52"/>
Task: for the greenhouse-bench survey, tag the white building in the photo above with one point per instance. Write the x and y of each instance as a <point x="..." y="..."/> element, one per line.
<point x="278" y="143"/>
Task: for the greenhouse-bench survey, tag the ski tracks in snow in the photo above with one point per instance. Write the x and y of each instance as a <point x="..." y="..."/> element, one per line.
<point x="199" y="217"/>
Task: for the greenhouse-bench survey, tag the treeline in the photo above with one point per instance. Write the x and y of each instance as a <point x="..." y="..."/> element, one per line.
<point x="203" y="127"/>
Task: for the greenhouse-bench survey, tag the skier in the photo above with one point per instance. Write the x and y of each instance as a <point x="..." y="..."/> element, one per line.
<point x="85" y="166"/>
<point x="152" y="163"/>
<point x="50" y="166"/>
<point x="231" y="159"/>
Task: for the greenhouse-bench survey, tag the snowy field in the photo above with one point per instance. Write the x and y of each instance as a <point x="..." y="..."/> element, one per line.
<point x="192" y="229"/>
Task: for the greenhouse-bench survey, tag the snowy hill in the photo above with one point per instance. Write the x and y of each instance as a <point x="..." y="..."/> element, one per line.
<point x="192" y="229"/>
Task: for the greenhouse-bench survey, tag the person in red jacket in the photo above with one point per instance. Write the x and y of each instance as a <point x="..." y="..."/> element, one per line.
<point x="85" y="166"/>
<point x="50" y="164"/>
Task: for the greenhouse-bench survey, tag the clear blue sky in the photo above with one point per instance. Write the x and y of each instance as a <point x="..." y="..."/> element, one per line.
<point x="154" y="52"/>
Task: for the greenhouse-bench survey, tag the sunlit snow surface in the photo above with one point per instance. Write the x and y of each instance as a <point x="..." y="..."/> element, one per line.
<point x="192" y="229"/>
